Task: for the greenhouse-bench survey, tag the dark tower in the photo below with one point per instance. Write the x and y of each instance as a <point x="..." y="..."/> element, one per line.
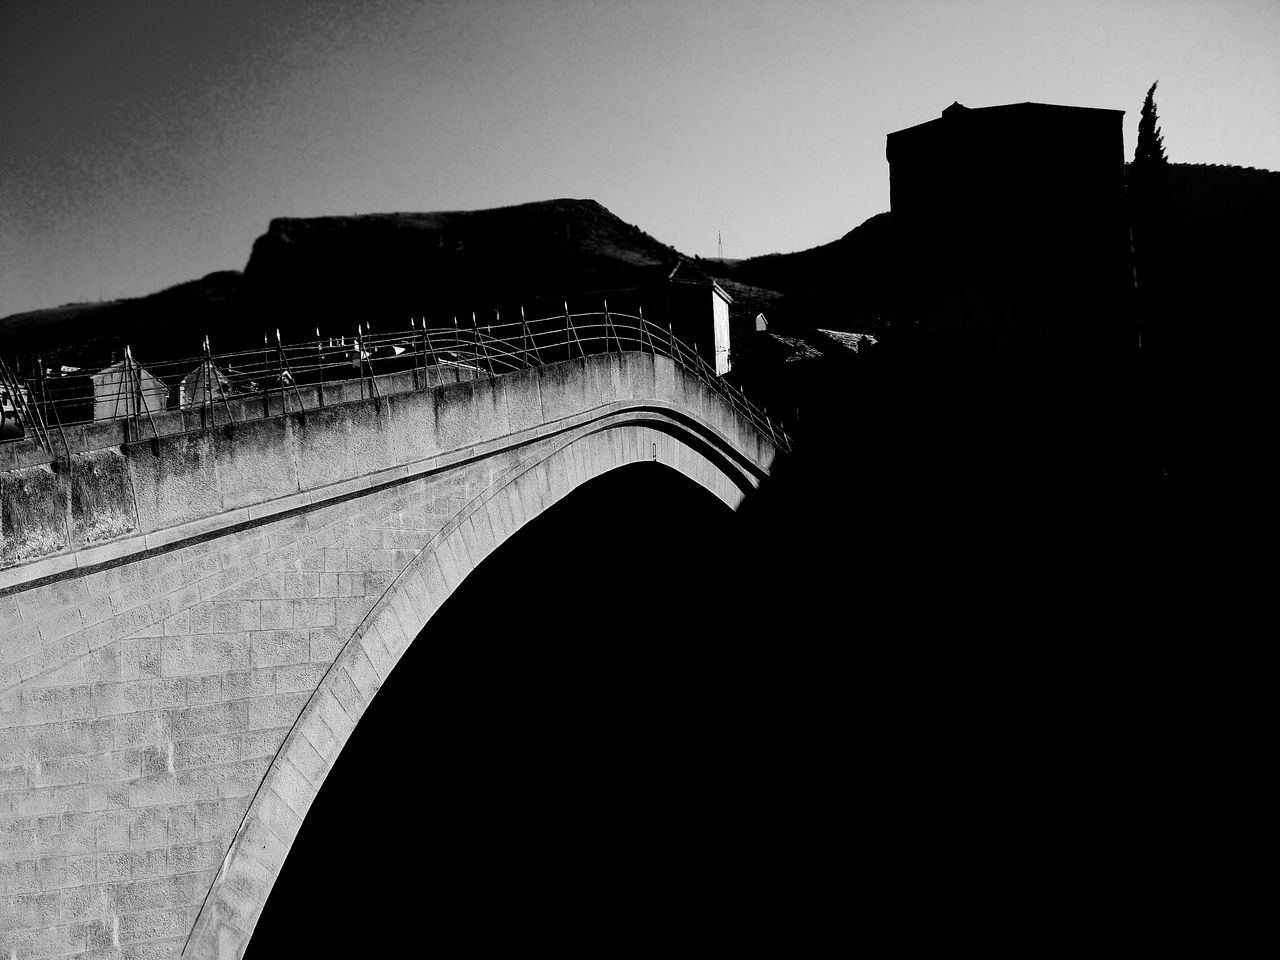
<point x="1015" y="227"/>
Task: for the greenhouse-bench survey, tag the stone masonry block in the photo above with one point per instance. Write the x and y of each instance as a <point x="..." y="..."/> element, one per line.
<point x="279" y="710"/>
<point x="478" y="535"/>
<point x="313" y="613"/>
<point x="331" y="712"/>
<point x="271" y="648"/>
<point x="291" y="786"/>
<point x="187" y="691"/>
<point x="304" y="758"/>
<point x="208" y="719"/>
<point x="325" y="642"/>
<point x="394" y="636"/>
<point x="204" y="653"/>
<point x="260" y="843"/>
<point x="246" y="684"/>
<point x="415" y="590"/>
<point x="299" y="677"/>
<point x="226" y="616"/>
<point x="451" y="569"/>
<point x="141" y="927"/>
<point x="262" y="743"/>
<point x="277" y="614"/>
<point x="406" y="615"/>
<point x="376" y="652"/>
<point x="349" y="611"/>
<point x="363" y="676"/>
<point x="352" y="700"/>
<point x="17" y="643"/>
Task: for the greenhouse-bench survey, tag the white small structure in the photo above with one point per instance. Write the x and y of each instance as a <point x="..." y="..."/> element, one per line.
<point x="691" y="292"/>
<point x="204" y="384"/>
<point x="761" y="323"/>
<point x="124" y="389"/>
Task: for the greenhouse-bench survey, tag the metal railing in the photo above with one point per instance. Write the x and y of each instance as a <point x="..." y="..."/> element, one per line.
<point x="134" y="392"/>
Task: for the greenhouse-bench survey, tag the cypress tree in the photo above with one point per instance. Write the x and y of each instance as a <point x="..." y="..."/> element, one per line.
<point x="1149" y="154"/>
<point x="1148" y="178"/>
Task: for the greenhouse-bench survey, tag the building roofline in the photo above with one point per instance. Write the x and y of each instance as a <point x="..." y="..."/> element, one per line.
<point x="704" y="283"/>
<point x="1004" y="106"/>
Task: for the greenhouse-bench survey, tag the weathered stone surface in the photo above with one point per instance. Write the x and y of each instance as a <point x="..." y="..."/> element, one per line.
<point x="33" y="514"/>
<point x="102" y="506"/>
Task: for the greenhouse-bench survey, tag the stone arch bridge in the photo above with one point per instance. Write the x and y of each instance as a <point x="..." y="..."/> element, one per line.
<point x="193" y="622"/>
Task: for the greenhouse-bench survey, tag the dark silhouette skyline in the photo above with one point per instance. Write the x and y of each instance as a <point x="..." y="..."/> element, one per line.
<point x="148" y="143"/>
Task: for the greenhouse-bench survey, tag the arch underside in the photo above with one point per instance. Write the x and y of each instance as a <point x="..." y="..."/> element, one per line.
<point x="539" y="478"/>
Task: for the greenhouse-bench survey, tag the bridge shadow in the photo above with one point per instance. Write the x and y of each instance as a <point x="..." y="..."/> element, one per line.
<point x="890" y="679"/>
<point x="582" y="750"/>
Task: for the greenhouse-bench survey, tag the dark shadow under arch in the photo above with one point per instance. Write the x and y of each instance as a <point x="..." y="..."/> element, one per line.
<point x="581" y="748"/>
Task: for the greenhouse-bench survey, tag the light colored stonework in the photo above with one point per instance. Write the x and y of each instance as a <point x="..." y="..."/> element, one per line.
<point x="171" y="701"/>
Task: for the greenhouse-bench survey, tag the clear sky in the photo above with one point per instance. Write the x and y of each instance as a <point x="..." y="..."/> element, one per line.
<point x="146" y="142"/>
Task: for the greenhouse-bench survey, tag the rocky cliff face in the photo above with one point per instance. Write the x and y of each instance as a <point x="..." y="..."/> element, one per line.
<point x="340" y="270"/>
<point x="337" y="272"/>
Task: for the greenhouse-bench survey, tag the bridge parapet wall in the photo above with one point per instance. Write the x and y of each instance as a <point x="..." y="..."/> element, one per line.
<point x="56" y="516"/>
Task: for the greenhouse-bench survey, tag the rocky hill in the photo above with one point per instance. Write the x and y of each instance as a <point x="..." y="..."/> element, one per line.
<point x="394" y="264"/>
<point x="336" y="272"/>
<point x="170" y="322"/>
<point x="1222" y="241"/>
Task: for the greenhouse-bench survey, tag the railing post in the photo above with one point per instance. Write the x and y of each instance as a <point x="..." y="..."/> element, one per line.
<point x="568" y="326"/>
<point x="568" y="317"/>
<point x="207" y="408"/>
<point x="430" y="346"/>
<point x="524" y="338"/>
<point x="413" y="351"/>
<point x="529" y="333"/>
<point x="457" y="342"/>
<point x="497" y="326"/>
<point x="475" y="342"/>
<point x="284" y="406"/>
<point x="373" y="379"/>
<point x="359" y="345"/>
<point x="425" y="352"/>
<point x="644" y="333"/>
<point x="280" y="369"/>
<point x="57" y="419"/>
<point x="320" y="367"/>
<point x="479" y="346"/>
<point x="139" y="400"/>
<point x="609" y="325"/>
<point x="26" y="406"/>
<point x="126" y="386"/>
<point x="286" y="370"/>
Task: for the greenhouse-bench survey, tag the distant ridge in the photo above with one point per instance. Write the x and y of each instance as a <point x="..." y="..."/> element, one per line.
<point x="337" y="271"/>
<point x="91" y="332"/>
<point x="1224" y="230"/>
<point x="452" y="260"/>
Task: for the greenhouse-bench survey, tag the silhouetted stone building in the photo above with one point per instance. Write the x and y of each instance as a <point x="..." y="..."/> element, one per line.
<point x="1014" y="223"/>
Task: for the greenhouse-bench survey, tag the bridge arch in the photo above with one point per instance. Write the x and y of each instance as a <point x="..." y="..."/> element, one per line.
<point x="244" y="881"/>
